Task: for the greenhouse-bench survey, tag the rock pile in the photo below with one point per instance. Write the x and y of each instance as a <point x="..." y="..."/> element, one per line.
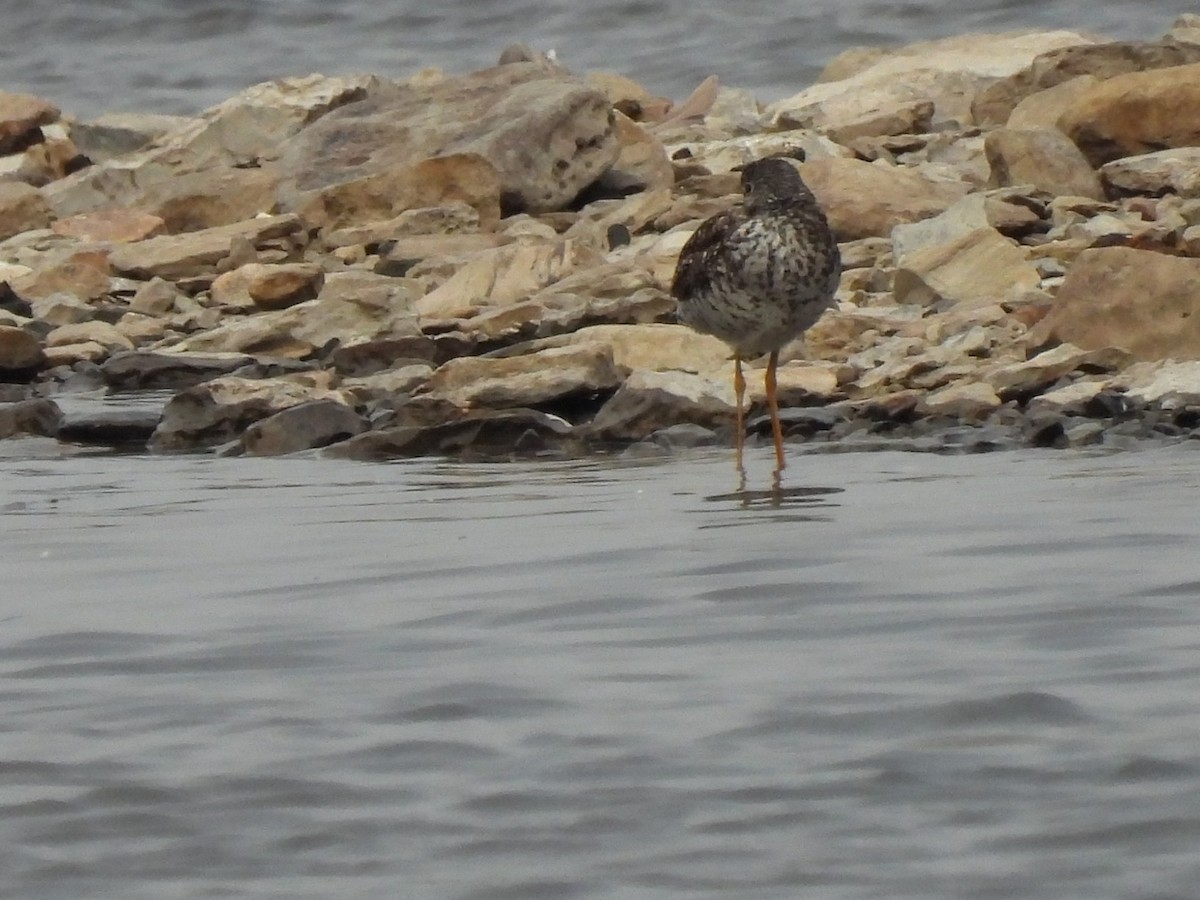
<point x="479" y="264"/>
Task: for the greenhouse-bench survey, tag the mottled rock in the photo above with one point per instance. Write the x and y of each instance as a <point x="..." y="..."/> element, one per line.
<point x="177" y="256"/>
<point x="1180" y="380"/>
<point x="61" y="309"/>
<point x="977" y="268"/>
<point x="585" y="369"/>
<point x="220" y="409"/>
<point x="102" y="333"/>
<point x="1139" y="300"/>
<point x="868" y="200"/>
<point x="22" y="208"/>
<point x="82" y="273"/>
<point x="315" y="423"/>
<point x="993" y="210"/>
<point x="283" y="285"/>
<point x="1139" y="112"/>
<point x="545" y="135"/>
<point x="20" y="350"/>
<point x="115" y="134"/>
<point x="1175" y="171"/>
<point x="21" y="116"/>
<point x="949" y="72"/>
<point x="642" y="163"/>
<point x="1043" y="158"/>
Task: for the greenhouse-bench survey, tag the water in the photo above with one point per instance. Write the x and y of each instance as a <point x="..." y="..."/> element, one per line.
<point x="901" y="676"/>
<point x="179" y="56"/>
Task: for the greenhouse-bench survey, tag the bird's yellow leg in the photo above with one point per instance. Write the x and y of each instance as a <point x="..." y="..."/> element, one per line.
<point x="773" y="405"/>
<point x="739" y="392"/>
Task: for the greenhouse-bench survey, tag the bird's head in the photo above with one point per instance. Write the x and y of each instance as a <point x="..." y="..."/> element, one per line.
<point x="773" y="183"/>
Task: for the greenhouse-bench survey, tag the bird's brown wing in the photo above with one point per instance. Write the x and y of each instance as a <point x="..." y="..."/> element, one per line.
<point x="694" y="267"/>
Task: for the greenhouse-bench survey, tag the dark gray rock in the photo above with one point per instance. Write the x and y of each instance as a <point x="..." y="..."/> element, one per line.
<point x="485" y="433"/>
<point x="41" y="417"/>
<point x="317" y="423"/>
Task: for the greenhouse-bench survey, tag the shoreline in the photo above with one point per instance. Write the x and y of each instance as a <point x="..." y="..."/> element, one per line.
<point x="477" y="264"/>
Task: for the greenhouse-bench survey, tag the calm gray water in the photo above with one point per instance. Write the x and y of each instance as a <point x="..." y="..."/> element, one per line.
<point x="902" y="676"/>
<point x="182" y="55"/>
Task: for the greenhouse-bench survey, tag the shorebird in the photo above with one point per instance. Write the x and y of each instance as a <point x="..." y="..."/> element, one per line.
<point x="759" y="275"/>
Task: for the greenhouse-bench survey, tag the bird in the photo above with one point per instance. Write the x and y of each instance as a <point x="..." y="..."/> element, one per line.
<point x="758" y="276"/>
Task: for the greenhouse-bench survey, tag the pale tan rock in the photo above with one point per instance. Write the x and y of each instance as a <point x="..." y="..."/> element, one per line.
<point x="97" y="331"/>
<point x="176" y="256"/>
<point x="525" y="380"/>
<point x="1136" y="113"/>
<point x="977" y="268"/>
<point x="156" y="297"/>
<point x="971" y="401"/>
<point x="283" y="285"/>
<point x="20" y="115"/>
<point x="455" y="218"/>
<point x="61" y="309"/>
<point x="140" y="328"/>
<point x="116" y="226"/>
<point x="19" y="350"/>
<point x="402" y="380"/>
<point x="1044" y="108"/>
<point x="546" y="135"/>
<point x="80" y="351"/>
<point x="974" y="211"/>
<point x="1174" y="171"/>
<point x="642" y="162"/>
<point x="1104" y="60"/>
<point x="1138" y="300"/>
<point x="949" y="72"/>
<point x="865" y="199"/>
<point x="1046" y="368"/>
<point x="22" y="208"/>
<point x="1044" y="159"/>
<point x="1178" y="379"/>
<point x="652" y="347"/>
<point x="352" y="307"/>
<point x="225" y="195"/>
<point x="502" y="276"/>
<point x="83" y="273"/>
<point x="1069" y="399"/>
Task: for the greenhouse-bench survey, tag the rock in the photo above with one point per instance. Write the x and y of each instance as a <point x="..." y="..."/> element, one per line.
<point x="651" y="347"/>
<point x="1043" y="158"/>
<point x="156" y="297"/>
<point x="22" y="208"/>
<point x="403" y="380"/>
<point x="975" y="211"/>
<point x="650" y="401"/>
<point x="211" y="197"/>
<point x="1180" y="380"/>
<point x="545" y="136"/>
<point x="352" y="307"/>
<point x="950" y="72"/>
<point x="1069" y="400"/>
<point x="183" y="255"/>
<point x="40" y="416"/>
<point x="1044" y="108"/>
<point x="82" y="273"/>
<point x="151" y="370"/>
<point x="68" y="354"/>
<point x="284" y="285"/>
<point x="453" y="218"/>
<point x="1174" y="171"/>
<point x="1139" y="300"/>
<point x="20" y="351"/>
<point x="979" y="267"/>
<point x="969" y="402"/>
<point x="501" y="276"/>
<point x="115" y="134"/>
<point x="102" y="333"/>
<point x="21" y="116"/>
<point x="316" y="423"/>
<point x="110" y="428"/>
<point x="116" y="226"/>
<point x="481" y="433"/>
<point x="243" y="132"/>
<point x="1034" y="375"/>
<point x="642" y="163"/>
<point x="1105" y="60"/>
<point x="61" y="309"/>
<point x="521" y="381"/>
<point x="868" y="200"/>
<point x="217" y="410"/>
<point x="1136" y="113"/>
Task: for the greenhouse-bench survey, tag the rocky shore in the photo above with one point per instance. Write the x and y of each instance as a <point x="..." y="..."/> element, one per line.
<point x="478" y="264"/>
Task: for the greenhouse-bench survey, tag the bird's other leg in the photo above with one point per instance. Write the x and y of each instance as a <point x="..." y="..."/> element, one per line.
<point x="773" y="405"/>
<point x="739" y="392"/>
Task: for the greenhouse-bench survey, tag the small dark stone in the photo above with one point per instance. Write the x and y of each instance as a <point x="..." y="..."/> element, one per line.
<point x="618" y="236"/>
<point x="1107" y="405"/>
<point x="1046" y="433"/>
<point x="10" y="302"/>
